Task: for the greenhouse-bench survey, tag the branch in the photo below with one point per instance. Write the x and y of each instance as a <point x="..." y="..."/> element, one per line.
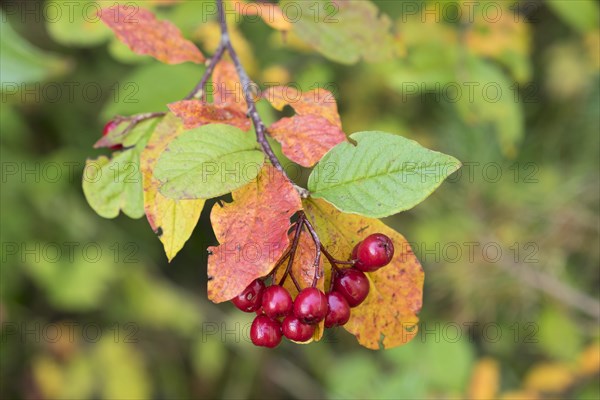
<point x="199" y="91"/>
<point x="246" y="83"/>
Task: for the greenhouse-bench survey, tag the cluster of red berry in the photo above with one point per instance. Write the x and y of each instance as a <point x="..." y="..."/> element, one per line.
<point x="278" y="315"/>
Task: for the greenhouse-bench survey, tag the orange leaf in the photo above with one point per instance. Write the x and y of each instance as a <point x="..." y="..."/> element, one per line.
<point x="252" y="232"/>
<point x="313" y="131"/>
<point x="195" y="113"/>
<point x="306" y="138"/>
<point x="227" y="89"/>
<point x="269" y="12"/>
<point x="139" y="29"/>
<point x="388" y="316"/>
<point x="315" y="102"/>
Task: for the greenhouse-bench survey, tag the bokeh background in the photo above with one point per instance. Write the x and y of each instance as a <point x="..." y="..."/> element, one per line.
<point x="90" y="308"/>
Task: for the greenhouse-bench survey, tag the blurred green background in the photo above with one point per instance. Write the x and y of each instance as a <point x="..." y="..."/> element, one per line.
<point x="90" y="308"/>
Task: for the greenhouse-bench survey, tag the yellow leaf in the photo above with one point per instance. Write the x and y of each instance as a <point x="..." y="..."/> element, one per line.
<point x="589" y="360"/>
<point x="172" y="220"/>
<point x="387" y="318"/>
<point x="549" y="377"/>
<point x="484" y="380"/>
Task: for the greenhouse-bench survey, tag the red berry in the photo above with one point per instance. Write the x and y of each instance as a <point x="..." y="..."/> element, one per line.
<point x="310" y="306"/>
<point x="265" y="332"/>
<point x="251" y="298"/>
<point x="276" y="301"/>
<point x="353" y="285"/>
<point x="296" y="330"/>
<point x="374" y="252"/>
<point x="339" y="310"/>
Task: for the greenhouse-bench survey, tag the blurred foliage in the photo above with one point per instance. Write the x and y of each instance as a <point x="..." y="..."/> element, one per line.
<point x="90" y="308"/>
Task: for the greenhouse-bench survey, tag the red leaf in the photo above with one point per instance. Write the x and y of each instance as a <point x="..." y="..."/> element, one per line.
<point x="252" y="232"/>
<point x="195" y="113"/>
<point x="227" y="89"/>
<point x="139" y="29"/>
<point x="313" y="131"/>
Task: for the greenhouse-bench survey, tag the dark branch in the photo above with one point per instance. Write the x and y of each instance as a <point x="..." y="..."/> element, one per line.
<point x="199" y="89"/>
<point x="246" y="83"/>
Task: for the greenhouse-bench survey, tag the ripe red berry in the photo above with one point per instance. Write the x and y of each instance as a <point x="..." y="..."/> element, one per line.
<point x="276" y="301"/>
<point x="353" y="285"/>
<point x="338" y="310"/>
<point x="310" y="306"/>
<point x="374" y="252"/>
<point x="296" y="330"/>
<point x="251" y="298"/>
<point x="265" y="332"/>
<point x="110" y="125"/>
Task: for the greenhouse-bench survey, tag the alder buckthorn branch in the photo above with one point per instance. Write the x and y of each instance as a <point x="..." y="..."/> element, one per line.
<point x="246" y="84"/>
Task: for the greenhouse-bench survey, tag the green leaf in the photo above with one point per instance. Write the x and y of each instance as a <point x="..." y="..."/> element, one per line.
<point x="343" y="31"/>
<point x="21" y="62"/>
<point x="383" y="175"/>
<point x="113" y="184"/>
<point x="207" y="162"/>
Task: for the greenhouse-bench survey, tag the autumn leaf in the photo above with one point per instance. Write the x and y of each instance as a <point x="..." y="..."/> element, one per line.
<point x="252" y="232"/>
<point x="172" y="220"/>
<point x="139" y="29"/>
<point x="270" y="13"/>
<point x="226" y="87"/>
<point x="196" y="113"/>
<point x="313" y="131"/>
<point x="388" y="316"/>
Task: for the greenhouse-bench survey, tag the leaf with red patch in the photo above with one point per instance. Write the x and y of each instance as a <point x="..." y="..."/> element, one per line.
<point x="313" y="131"/>
<point x="252" y="232"/>
<point x="195" y="113"/>
<point x="139" y="29"/>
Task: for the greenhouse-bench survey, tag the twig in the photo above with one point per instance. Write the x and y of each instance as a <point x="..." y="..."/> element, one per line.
<point x="198" y="91"/>
<point x="246" y="83"/>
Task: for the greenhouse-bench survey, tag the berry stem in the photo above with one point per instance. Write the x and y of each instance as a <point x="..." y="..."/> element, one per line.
<point x="246" y="83"/>
<point x="281" y="260"/>
<point x="334" y="261"/>
<point x="318" y="247"/>
<point x="292" y="252"/>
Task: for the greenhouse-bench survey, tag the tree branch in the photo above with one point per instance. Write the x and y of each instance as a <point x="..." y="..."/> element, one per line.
<point x="199" y="91"/>
<point x="246" y="83"/>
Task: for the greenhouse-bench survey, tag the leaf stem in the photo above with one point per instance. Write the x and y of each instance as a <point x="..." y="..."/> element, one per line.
<point x="247" y="84"/>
